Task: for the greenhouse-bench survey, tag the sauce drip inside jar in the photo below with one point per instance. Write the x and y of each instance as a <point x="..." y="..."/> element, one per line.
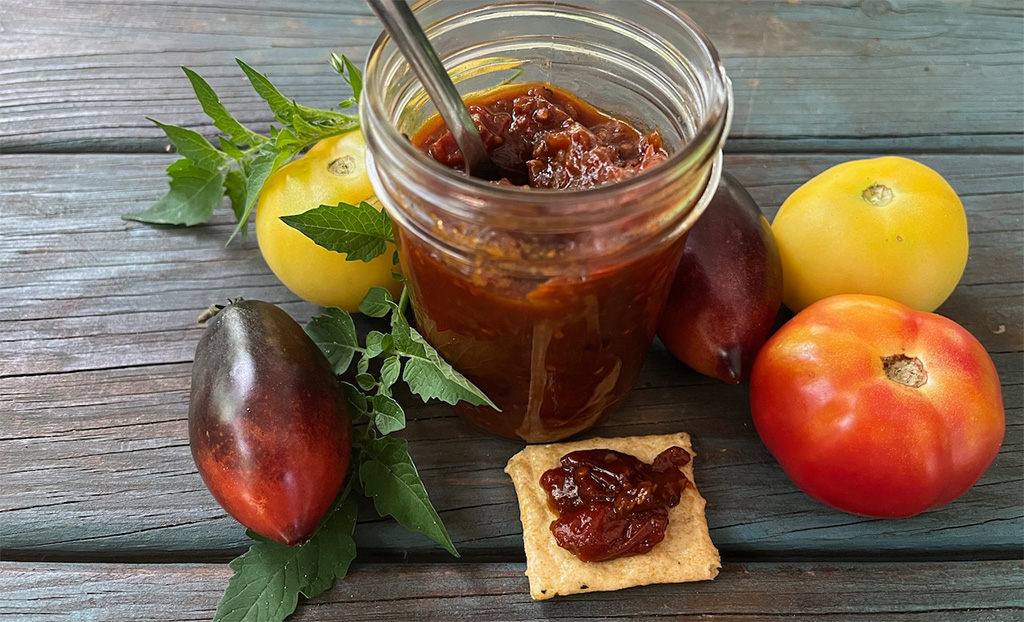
<point x="556" y="139"/>
<point x="611" y="504"/>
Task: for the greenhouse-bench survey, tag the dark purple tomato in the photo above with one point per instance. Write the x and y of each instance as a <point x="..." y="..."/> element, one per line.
<point x="267" y="421"/>
<point x="728" y="289"/>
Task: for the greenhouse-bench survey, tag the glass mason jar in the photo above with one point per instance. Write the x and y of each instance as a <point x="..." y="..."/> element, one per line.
<point x="548" y="300"/>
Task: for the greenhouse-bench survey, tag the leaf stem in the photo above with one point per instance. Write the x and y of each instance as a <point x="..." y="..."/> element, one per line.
<point x="403" y="301"/>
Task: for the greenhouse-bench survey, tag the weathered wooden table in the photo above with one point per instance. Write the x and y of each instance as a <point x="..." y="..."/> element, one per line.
<point x="102" y="514"/>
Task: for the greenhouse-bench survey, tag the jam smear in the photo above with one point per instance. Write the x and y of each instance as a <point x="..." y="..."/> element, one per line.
<point x="556" y="139"/>
<point x="611" y="504"/>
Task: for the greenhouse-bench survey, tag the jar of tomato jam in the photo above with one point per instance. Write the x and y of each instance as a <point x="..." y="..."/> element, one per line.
<point x="548" y="299"/>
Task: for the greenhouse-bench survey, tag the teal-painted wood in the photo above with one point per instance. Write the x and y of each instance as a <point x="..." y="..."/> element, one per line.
<point x="100" y="318"/>
<point x="97" y="315"/>
<point x="890" y="592"/>
<point x="876" y="75"/>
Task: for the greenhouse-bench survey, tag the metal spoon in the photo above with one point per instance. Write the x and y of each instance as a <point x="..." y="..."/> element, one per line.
<point x="401" y="24"/>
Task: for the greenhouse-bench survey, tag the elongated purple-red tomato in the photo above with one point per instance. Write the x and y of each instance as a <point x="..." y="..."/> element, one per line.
<point x="267" y="421"/>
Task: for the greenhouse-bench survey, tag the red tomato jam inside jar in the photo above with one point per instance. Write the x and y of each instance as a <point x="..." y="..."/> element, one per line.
<point x="555" y="139"/>
<point x="557" y="353"/>
<point x="611" y="504"/>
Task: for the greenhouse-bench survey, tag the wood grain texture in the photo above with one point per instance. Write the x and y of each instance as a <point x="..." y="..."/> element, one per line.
<point x="912" y="592"/>
<point x="868" y="75"/>
<point x="99" y="331"/>
<point x="101" y="508"/>
<point x="82" y="289"/>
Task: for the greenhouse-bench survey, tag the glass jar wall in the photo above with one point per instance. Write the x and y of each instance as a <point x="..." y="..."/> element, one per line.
<point x="548" y="300"/>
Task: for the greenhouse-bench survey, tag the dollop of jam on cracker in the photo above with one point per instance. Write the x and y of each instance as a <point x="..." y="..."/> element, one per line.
<point x="611" y="504"/>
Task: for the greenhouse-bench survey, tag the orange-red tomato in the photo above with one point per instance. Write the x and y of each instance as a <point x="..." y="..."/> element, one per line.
<point x="875" y="408"/>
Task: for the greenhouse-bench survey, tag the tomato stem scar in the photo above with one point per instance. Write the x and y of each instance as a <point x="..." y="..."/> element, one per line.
<point x="342" y="166"/>
<point x="878" y="195"/>
<point x="905" y="370"/>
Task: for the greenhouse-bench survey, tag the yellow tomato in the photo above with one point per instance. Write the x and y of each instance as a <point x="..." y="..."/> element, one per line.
<point x="332" y="171"/>
<point x="889" y="227"/>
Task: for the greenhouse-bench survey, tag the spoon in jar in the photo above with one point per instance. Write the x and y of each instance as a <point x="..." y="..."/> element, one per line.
<point x="401" y="24"/>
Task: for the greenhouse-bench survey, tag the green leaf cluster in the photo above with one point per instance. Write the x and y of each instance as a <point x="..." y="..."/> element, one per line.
<point x="239" y="164"/>
<point x="269" y="576"/>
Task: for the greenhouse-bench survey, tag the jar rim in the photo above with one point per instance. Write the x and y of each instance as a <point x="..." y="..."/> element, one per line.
<point x="706" y="142"/>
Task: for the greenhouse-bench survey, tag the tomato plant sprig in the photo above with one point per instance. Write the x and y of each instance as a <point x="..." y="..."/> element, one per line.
<point x="239" y="165"/>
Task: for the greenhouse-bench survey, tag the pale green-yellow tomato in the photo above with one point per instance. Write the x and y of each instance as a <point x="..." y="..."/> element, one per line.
<point x="888" y="227"/>
<point x="331" y="172"/>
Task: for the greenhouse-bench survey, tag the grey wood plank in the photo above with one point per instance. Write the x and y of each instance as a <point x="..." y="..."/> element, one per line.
<point x="98" y="334"/>
<point x="900" y="592"/>
<point x="879" y="75"/>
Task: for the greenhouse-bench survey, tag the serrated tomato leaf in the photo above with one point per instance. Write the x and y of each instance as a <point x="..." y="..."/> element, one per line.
<point x="257" y="171"/>
<point x="222" y="119"/>
<point x="234" y="189"/>
<point x="334" y="333"/>
<point x="388" y="415"/>
<point x="193" y="194"/>
<point x="360" y="232"/>
<point x="377" y="303"/>
<point x="269" y="576"/>
<point x="390" y="478"/>
<point x="427" y="374"/>
<point x="282" y="107"/>
<point x="389" y="372"/>
<point x="194" y="147"/>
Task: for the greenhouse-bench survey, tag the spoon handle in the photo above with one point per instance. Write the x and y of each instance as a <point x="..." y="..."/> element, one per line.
<point x="401" y="24"/>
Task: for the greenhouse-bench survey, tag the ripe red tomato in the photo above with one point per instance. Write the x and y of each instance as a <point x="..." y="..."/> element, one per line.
<point x="875" y="408"/>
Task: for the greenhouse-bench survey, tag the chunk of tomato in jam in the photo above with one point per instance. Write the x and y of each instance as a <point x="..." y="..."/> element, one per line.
<point x="611" y="504"/>
<point x="556" y="139"/>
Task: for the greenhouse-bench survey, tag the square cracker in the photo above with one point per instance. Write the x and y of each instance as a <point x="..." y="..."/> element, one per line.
<point x="686" y="553"/>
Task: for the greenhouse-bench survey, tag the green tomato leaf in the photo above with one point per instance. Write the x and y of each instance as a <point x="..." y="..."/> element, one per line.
<point x="358" y="405"/>
<point x="193" y="146"/>
<point x="193" y="194"/>
<point x="269" y="576"/>
<point x="365" y="381"/>
<point x="389" y="371"/>
<point x="427" y="374"/>
<point x="229" y="148"/>
<point x="307" y="124"/>
<point x="258" y="170"/>
<point x="234" y="188"/>
<point x="222" y="119"/>
<point x="377" y="343"/>
<point x="390" y="478"/>
<point x="311" y="124"/>
<point x="314" y="123"/>
<point x="377" y="303"/>
<point x="334" y="333"/>
<point x="282" y="107"/>
<point x="388" y="415"/>
<point x="361" y="232"/>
